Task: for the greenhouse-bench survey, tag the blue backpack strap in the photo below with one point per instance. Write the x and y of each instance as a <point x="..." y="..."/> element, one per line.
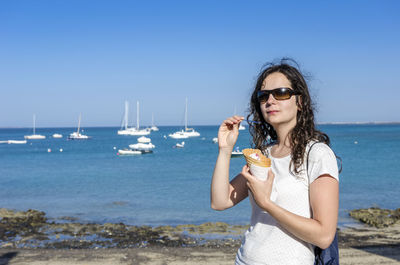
<point x="330" y="255"/>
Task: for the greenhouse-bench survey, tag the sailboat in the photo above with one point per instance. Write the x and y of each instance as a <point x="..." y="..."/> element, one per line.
<point x="124" y="126"/>
<point x="153" y="127"/>
<point x="125" y="130"/>
<point x="34" y="136"/>
<point x="76" y="135"/>
<point x="241" y="127"/>
<point x="188" y="132"/>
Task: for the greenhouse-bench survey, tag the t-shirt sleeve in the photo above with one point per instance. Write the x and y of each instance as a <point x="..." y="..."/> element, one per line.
<point x="322" y="161"/>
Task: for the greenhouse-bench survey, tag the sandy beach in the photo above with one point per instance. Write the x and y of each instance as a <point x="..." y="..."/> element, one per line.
<point x="372" y="255"/>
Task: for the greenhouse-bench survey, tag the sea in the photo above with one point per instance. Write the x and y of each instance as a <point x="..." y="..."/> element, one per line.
<point x="88" y="181"/>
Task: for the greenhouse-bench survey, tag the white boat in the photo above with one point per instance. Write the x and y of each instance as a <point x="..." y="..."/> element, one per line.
<point x="57" y="135"/>
<point x="153" y="127"/>
<point x="13" y="142"/>
<point x="134" y="132"/>
<point x="125" y="130"/>
<point x="143" y="140"/>
<point x="215" y="140"/>
<point x="34" y="136"/>
<point x="187" y="132"/>
<point x="180" y="145"/>
<point x="237" y="152"/>
<point x="16" y="141"/>
<point x="179" y="135"/>
<point x="128" y="152"/>
<point x="124" y="126"/>
<point x="76" y="135"/>
<point x="191" y="132"/>
<point x="241" y="127"/>
<point x="142" y="146"/>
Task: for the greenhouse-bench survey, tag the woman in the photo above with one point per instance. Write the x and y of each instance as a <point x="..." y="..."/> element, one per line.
<point x="304" y="213"/>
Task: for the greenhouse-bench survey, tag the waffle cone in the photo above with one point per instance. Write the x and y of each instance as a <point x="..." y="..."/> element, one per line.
<point x="263" y="162"/>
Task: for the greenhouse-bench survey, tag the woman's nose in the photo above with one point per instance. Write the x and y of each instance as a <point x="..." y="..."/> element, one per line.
<point x="270" y="99"/>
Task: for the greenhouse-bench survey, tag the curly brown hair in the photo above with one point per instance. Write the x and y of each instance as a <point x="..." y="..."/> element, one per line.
<point x="264" y="134"/>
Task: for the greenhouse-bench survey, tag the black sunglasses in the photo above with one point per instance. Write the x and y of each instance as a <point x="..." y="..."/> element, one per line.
<point x="281" y="93"/>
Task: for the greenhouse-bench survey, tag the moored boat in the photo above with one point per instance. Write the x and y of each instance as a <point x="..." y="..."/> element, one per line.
<point x="178" y="135"/>
<point x="144" y="140"/>
<point x="153" y="127"/>
<point x="125" y="130"/>
<point x="128" y="152"/>
<point x="236" y="152"/>
<point x="76" y="135"/>
<point x="180" y="145"/>
<point x="187" y="132"/>
<point x="142" y="146"/>
<point x="13" y="142"/>
<point x="34" y="136"/>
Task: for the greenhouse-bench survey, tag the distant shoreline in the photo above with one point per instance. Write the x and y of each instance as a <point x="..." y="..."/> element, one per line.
<point x="319" y="123"/>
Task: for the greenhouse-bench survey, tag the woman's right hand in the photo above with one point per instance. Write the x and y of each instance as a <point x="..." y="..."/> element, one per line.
<point x="228" y="133"/>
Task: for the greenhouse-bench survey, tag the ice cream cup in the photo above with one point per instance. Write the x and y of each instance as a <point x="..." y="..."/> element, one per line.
<point x="258" y="167"/>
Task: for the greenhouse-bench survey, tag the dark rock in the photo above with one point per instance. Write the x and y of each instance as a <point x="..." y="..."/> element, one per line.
<point x="21" y="223"/>
<point x="68" y="218"/>
<point x="376" y="217"/>
<point x="31" y="229"/>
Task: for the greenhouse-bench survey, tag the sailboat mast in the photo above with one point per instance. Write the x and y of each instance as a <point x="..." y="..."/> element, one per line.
<point x="34" y="124"/>
<point x="126" y="114"/>
<point x="79" y="124"/>
<point x="186" y="114"/>
<point x="137" y="115"/>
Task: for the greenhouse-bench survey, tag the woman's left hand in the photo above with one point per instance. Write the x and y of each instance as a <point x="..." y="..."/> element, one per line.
<point x="261" y="189"/>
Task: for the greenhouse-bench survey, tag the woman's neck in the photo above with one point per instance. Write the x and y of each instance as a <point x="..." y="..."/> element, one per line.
<point x="283" y="136"/>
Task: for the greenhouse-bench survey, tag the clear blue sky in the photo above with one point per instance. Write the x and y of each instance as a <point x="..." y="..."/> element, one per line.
<point x="62" y="58"/>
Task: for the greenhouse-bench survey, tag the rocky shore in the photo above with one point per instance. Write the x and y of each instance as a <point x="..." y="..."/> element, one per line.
<point x="30" y="238"/>
<point x="377" y="217"/>
<point x="31" y="229"/>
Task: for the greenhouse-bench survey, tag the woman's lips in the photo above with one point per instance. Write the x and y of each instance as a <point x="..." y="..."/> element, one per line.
<point x="271" y="112"/>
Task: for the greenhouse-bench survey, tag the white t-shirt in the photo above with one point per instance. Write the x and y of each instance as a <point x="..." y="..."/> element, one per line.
<point x="266" y="242"/>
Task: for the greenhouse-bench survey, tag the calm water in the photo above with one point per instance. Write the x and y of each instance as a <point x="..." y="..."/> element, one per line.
<point x="171" y="186"/>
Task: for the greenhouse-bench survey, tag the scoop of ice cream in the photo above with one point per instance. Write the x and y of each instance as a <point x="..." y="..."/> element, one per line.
<point x="255" y="156"/>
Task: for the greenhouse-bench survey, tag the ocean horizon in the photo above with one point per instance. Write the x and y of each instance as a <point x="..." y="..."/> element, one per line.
<point x="200" y="125"/>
